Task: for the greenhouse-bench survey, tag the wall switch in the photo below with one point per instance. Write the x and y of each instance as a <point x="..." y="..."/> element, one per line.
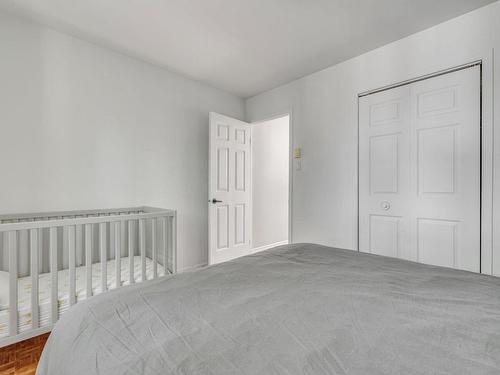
<point x="298" y="165"/>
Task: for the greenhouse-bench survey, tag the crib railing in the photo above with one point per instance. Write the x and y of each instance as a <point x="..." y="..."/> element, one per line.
<point x="145" y="232"/>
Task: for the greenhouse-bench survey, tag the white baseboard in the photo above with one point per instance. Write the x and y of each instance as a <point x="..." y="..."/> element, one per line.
<point x="251" y="251"/>
<point x="192" y="268"/>
<point x="266" y="247"/>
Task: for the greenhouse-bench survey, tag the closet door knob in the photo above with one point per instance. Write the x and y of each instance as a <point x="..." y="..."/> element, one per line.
<point x="216" y="201"/>
<point x="385" y="205"/>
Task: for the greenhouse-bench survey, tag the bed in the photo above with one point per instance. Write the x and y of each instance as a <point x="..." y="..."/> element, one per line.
<point x="295" y="309"/>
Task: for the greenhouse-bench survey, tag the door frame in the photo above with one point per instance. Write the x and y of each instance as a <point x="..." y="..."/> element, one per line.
<point x="486" y="154"/>
<point x="273" y="116"/>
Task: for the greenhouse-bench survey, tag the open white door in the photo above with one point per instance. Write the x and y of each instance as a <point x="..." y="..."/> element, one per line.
<point x="229" y="209"/>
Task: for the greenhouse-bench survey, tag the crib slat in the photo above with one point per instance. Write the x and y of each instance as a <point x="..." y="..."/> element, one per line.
<point x="11" y="245"/>
<point x="123" y="238"/>
<point x="153" y="248"/>
<point x="130" y="252"/>
<point x="40" y="250"/>
<point x="64" y="244"/>
<point x="88" y="260"/>
<point x="53" y="274"/>
<point x="174" y="243"/>
<point x="103" y="252"/>
<point x="118" y="248"/>
<point x="72" y="262"/>
<point x="34" y="278"/>
<point x="163" y="223"/>
<point x="78" y="248"/>
<point x="142" y="245"/>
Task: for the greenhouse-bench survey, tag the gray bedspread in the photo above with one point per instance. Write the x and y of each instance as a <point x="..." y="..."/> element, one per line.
<point x="297" y="309"/>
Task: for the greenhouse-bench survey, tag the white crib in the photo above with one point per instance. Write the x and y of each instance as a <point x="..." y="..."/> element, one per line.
<point x="50" y="261"/>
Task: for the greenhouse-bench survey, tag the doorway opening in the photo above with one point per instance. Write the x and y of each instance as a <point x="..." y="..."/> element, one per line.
<point x="270" y="182"/>
<point x="249" y="186"/>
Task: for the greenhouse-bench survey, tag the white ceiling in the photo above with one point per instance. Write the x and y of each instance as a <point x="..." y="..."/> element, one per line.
<point x="242" y="46"/>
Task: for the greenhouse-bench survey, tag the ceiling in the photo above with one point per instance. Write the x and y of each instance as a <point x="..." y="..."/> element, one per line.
<point x="242" y="46"/>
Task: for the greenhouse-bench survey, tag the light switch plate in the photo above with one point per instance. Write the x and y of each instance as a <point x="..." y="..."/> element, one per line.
<point x="298" y="165"/>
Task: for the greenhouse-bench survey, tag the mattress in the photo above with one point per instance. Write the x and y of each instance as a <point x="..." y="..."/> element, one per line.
<point x="296" y="309"/>
<point x="24" y="291"/>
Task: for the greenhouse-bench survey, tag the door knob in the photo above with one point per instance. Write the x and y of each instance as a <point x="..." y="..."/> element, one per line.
<point x="216" y="201"/>
<point x="385" y="205"/>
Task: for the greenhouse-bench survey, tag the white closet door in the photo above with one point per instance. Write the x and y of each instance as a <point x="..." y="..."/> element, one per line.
<point x="384" y="173"/>
<point x="420" y="171"/>
<point x="229" y="189"/>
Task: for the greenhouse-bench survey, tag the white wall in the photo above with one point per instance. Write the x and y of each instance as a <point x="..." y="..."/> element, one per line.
<point x="83" y="127"/>
<point x="324" y="120"/>
<point x="270" y="170"/>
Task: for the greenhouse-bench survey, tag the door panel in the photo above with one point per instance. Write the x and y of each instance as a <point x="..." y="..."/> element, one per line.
<point x="419" y="171"/>
<point x="223" y="169"/>
<point x="240" y="170"/>
<point x="446" y="148"/>
<point x="384" y="235"/>
<point x="436" y="160"/>
<point x="437" y="242"/>
<point x="222" y="227"/>
<point x="384" y="173"/>
<point x="384" y="163"/>
<point x="229" y="185"/>
<point x="240" y="232"/>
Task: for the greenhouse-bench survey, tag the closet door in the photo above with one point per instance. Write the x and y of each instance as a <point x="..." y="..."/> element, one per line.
<point x="384" y="178"/>
<point x="420" y="171"/>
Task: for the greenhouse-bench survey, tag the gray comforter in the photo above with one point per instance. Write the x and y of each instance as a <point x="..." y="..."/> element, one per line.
<point x="298" y="309"/>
